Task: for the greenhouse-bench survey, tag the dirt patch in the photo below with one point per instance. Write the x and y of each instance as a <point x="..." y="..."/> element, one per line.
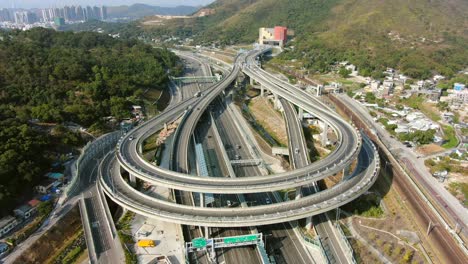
<point x="429" y="149"/>
<point x="269" y="118"/>
<point x="386" y="234"/>
<point x="51" y="241"/>
<point x="392" y="246"/>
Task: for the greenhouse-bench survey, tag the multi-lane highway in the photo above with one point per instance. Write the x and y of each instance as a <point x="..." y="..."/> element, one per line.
<point x="347" y="150"/>
<point x="284" y="243"/>
<point x="333" y="247"/>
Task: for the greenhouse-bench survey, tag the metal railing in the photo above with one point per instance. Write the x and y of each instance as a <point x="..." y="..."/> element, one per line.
<point x="348" y="245"/>
<point x="100" y="145"/>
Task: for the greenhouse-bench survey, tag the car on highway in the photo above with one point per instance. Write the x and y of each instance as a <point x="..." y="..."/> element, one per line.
<point x="296" y="150"/>
<point x="267" y="200"/>
<point x="131" y="138"/>
<point x="144" y="233"/>
<point x="228" y="203"/>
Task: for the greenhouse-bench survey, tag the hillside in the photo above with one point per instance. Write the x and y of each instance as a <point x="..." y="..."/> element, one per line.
<point x="141" y="10"/>
<point x="49" y="77"/>
<point x="418" y="36"/>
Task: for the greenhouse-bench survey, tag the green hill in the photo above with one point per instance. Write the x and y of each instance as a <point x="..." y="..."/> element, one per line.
<point x="142" y="10"/>
<point x="417" y="36"/>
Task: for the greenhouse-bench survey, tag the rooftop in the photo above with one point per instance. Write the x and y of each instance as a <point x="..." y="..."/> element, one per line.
<point x="55" y="175"/>
<point x="6" y="220"/>
<point x="34" y="202"/>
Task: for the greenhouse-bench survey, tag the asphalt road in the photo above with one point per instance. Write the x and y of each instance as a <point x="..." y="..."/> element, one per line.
<point x="345" y="152"/>
<point x="284" y="244"/>
<point x="299" y="157"/>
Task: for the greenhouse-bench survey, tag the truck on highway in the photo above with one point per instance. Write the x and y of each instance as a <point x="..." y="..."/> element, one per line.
<point x="146" y="243"/>
<point x="197" y="94"/>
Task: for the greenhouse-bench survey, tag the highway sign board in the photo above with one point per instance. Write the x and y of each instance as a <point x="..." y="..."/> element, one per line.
<point x="240" y="239"/>
<point x="199" y="242"/>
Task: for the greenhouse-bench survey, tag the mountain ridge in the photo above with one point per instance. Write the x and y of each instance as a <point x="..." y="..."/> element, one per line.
<point x="139" y="10"/>
<point x="419" y="36"/>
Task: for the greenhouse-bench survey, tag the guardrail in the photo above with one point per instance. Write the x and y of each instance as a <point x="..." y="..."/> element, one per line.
<point x="186" y="182"/>
<point x="350" y="249"/>
<point x="88" y="233"/>
<point x="349" y="190"/>
<point x="100" y="145"/>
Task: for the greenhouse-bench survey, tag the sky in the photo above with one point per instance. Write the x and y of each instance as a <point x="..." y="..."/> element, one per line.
<point x="59" y="3"/>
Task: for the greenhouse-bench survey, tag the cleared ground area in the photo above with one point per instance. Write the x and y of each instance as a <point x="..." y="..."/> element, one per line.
<point x="270" y="119"/>
<point x="42" y="251"/>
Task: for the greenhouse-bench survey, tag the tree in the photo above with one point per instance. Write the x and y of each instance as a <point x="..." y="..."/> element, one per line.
<point x="370" y="97"/>
<point x="443" y="106"/>
<point x="424" y="137"/>
<point x="343" y="72"/>
<point x="45" y="208"/>
<point x="58" y="77"/>
<point x="119" y="107"/>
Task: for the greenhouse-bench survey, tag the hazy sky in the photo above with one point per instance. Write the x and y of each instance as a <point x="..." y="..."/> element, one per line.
<point x="58" y="3"/>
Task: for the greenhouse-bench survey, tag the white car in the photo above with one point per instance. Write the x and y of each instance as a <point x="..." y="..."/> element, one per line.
<point x="130" y="138"/>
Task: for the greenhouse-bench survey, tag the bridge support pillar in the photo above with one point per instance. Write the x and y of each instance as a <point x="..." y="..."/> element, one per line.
<point x="309" y="222"/>
<point x="202" y="200"/>
<point x="324" y="134"/>
<point x="298" y="193"/>
<point x="262" y="90"/>
<point x="346" y="171"/>
<point x="276" y="102"/>
<point x="132" y="179"/>
<point x="202" y="204"/>
<point x="300" y="115"/>
<point x="252" y="81"/>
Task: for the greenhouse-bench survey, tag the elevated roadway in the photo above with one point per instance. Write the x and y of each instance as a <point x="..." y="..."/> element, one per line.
<point x="126" y="196"/>
<point x="331" y="241"/>
<point x="129" y="158"/>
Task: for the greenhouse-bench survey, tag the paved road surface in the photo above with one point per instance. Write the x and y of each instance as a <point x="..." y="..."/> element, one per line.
<point x="331" y="240"/>
<point x="285" y="244"/>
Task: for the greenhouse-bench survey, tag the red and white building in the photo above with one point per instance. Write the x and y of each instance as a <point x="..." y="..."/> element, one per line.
<point x="276" y="36"/>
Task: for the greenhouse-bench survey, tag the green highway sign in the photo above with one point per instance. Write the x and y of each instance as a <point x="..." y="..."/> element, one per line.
<point x="199" y="242"/>
<point x="240" y="239"/>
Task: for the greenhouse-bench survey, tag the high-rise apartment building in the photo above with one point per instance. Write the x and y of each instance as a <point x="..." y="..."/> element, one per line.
<point x="103" y="10"/>
<point x="5" y="15"/>
<point x="89" y="13"/>
<point x="25" y="17"/>
<point x="79" y="13"/>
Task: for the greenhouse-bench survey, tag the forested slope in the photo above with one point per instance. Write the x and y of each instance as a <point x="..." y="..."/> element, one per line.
<point x="56" y="77"/>
<point x="420" y="37"/>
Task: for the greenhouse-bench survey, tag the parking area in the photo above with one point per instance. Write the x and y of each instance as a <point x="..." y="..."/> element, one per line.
<point x="167" y="237"/>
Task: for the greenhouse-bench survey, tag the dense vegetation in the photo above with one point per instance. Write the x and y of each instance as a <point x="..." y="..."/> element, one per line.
<point x="419" y="37"/>
<point x="141" y="10"/>
<point x="57" y="77"/>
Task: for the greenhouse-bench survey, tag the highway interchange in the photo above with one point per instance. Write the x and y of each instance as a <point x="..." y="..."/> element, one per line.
<point x="249" y="184"/>
<point x="128" y="197"/>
